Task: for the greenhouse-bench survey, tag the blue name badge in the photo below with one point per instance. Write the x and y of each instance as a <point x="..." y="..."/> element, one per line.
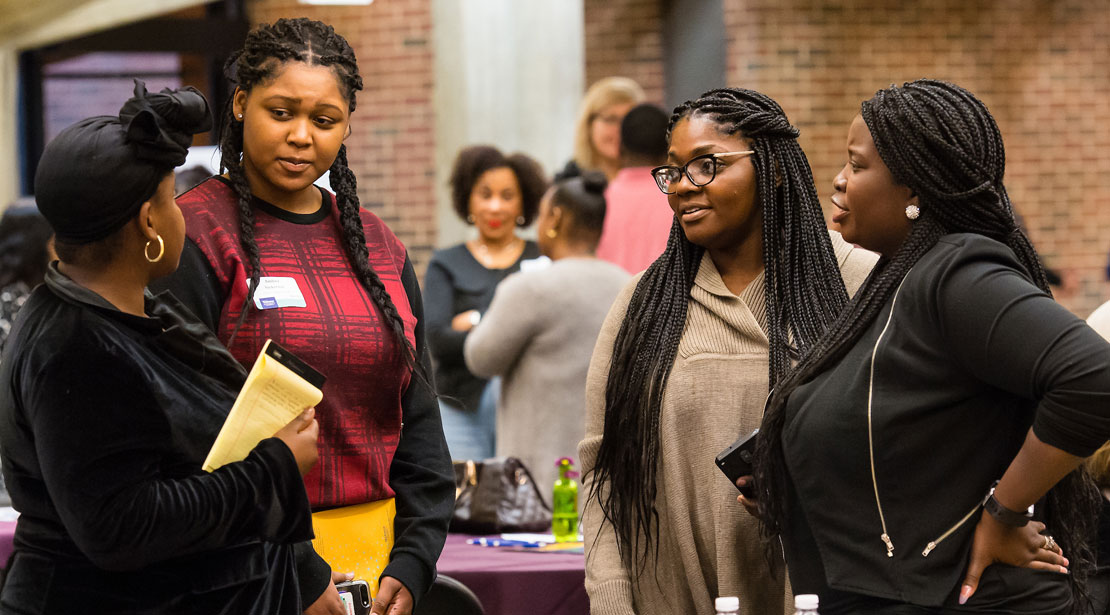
<point x="274" y="292"/>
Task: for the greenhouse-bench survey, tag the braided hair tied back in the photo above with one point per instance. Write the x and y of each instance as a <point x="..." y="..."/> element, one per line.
<point x="802" y="288"/>
<point x="266" y="51"/>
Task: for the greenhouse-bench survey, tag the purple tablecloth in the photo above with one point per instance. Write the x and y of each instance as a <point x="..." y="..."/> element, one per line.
<point x="514" y="582"/>
<point x="7" y="533"/>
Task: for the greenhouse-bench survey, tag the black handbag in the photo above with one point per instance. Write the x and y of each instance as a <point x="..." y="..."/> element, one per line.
<point x="498" y="495"/>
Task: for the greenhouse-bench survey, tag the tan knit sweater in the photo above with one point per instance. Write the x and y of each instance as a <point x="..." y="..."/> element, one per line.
<point x="708" y="544"/>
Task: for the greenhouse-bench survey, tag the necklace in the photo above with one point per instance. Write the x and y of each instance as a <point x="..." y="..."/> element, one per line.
<point x="489" y="257"/>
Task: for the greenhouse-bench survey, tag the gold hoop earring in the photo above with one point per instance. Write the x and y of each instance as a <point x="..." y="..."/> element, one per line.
<point x="161" y="250"/>
<point x="552" y="233"/>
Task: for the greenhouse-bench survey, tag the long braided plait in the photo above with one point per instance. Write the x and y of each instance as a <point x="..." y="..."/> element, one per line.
<point x="803" y="290"/>
<point x="266" y="49"/>
<point x="941" y="142"/>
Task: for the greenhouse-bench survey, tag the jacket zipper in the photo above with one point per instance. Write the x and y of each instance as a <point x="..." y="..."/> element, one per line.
<point x="933" y="543"/>
<point x="885" y="536"/>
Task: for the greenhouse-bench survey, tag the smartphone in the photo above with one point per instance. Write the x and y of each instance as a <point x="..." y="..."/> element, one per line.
<point x="739" y="460"/>
<point x="355" y="596"/>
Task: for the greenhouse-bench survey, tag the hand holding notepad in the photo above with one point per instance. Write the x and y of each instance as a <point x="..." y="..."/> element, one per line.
<point x="278" y="389"/>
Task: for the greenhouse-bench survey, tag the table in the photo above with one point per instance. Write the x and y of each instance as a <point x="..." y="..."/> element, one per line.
<point x="515" y="582"/>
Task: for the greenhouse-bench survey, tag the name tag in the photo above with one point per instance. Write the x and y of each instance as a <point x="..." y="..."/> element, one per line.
<point x="277" y="293"/>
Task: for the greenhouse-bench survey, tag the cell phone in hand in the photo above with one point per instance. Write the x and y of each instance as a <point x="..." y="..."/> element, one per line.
<point x="739" y="460"/>
<point x="355" y="596"/>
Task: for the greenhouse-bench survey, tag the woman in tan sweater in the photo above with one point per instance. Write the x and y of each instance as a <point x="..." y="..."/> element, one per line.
<point x="750" y="278"/>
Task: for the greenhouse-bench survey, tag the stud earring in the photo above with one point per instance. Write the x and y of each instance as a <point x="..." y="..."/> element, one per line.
<point x="470" y="219"/>
<point x="912" y="212"/>
<point x="520" y="220"/>
<point x="552" y="233"/>
<point x="239" y="116"/>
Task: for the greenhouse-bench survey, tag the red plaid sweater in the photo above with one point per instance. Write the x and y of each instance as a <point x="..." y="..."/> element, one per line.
<point x="341" y="333"/>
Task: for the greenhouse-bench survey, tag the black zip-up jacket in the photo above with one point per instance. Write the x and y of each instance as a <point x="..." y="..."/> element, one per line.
<point x="973" y="355"/>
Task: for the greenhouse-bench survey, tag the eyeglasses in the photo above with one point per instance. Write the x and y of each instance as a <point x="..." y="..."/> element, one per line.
<point x="611" y="118"/>
<point x="700" y="169"/>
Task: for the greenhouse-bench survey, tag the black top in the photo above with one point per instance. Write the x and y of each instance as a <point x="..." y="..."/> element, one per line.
<point x="105" y="420"/>
<point x="973" y="356"/>
<point x="456" y="282"/>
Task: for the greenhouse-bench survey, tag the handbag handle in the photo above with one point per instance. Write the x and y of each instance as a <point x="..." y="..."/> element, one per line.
<point x="471" y="477"/>
<point x="471" y="472"/>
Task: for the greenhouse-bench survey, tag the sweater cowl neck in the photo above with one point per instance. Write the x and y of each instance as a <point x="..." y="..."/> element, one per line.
<point x="741" y="311"/>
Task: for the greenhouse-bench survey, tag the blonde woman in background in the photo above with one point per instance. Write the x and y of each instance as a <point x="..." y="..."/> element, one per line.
<point x="597" y="132"/>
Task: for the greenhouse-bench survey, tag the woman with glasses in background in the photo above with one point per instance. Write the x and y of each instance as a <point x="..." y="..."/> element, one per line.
<point x="597" y="131"/>
<point x="749" y="279"/>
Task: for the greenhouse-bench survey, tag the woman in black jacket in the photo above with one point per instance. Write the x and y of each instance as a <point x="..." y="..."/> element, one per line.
<point x="952" y="397"/>
<point x="111" y="398"/>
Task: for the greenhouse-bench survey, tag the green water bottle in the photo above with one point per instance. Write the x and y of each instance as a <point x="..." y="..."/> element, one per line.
<point x="564" y="512"/>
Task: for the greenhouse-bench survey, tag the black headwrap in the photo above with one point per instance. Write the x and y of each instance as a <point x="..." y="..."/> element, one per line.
<point x="96" y="174"/>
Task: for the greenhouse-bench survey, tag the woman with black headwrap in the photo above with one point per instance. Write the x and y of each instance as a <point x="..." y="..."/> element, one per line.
<point x="110" y="399"/>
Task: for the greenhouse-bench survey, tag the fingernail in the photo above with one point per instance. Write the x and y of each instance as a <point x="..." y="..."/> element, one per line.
<point x="965" y="593"/>
<point x="1066" y="562"/>
<point x="1063" y="570"/>
<point x="350" y="576"/>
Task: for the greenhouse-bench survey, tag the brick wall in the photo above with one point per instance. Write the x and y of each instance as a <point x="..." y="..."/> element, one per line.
<point x="1043" y="68"/>
<point x="624" y="38"/>
<point x="392" y="148"/>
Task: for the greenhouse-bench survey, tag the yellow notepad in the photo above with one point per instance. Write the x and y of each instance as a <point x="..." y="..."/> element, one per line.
<point x="356" y="538"/>
<point x="279" y="387"/>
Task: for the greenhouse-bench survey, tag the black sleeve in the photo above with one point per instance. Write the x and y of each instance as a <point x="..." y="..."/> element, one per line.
<point x="100" y="439"/>
<point x="313" y="573"/>
<point x="1012" y="335"/>
<point x="195" y="284"/>
<point x="446" y="344"/>
<point x="421" y="473"/>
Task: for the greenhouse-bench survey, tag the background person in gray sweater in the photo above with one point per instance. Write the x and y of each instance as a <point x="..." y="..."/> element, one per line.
<point x="540" y="330"/>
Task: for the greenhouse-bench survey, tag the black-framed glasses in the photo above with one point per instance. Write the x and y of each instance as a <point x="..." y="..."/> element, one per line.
<point x="700" y="169"/>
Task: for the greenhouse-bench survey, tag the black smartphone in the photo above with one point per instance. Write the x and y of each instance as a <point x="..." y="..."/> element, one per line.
<point x="739" y="460"/>
<point x="355" y="596"/>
